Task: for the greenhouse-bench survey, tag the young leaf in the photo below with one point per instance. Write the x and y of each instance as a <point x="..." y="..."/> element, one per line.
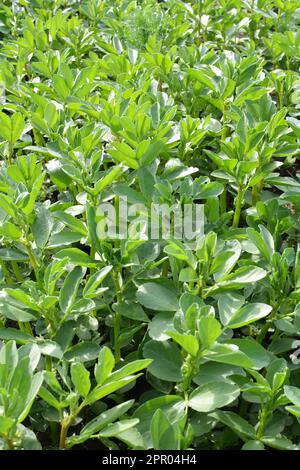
<point x="81" y="378"/>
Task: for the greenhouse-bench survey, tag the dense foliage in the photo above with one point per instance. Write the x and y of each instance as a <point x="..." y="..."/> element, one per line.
<point x="137" y="343"/>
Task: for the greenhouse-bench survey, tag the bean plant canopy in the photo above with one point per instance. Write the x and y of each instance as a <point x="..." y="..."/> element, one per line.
<point x="127" y="321"/>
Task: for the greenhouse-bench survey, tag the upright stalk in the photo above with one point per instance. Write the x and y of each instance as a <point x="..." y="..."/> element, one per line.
<point x="117" y="329"/>
<point x="33" y="263"/>
<point x="223" y="200"/>
<point x="66" y="423"/>
<point x="117" y="320"/>
<point x="264" y="415"/>
<point x="238" y="207"/>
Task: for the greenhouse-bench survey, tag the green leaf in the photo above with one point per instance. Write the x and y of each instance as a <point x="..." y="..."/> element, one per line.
<point x="12" y="254"/>
<point x="49" y="398"/>
<point x="253" y="445"/>
<point x="69" y="289"/>
<point x="228" y="305"/>
<point x="167" y="360"/>
<point x="228" y="354"/>
<point x="213" y="395"/>
<point x="76" y="256"/>
<point x="17" y="124"/>
<point x="252" y="350"/>
<point x="251" y="92"/>
<point x="279" y="443"/>
<point x="104" y="366"/>
<point x="240" y="278"/>
<point x="16" y="335"/>
<point x="188" y="342"/>
<point x="160" y="324"/>
<point x="163" y="432"/>
<point x="209" y="331"/>
<point x="104" y="419"/>
<point x="263" y="241"/>
<point x="293" y="394"/>
<point x="124" y="154"/>
<point x="35" y="385"/>
<point x="5" y="126"/>
<point x="156" y="296"/>
<point x="80" y="378"/>
<point x="131" y="310"/>
<point x="248" y="314"/>
<point x="13" y="312"/>
<point x="110" y="176"/>
<point x="112" y="430"/>
<point x="203" y="77"/>
<point x="83" y="352"/>
<point x="100" y="392"/>
<point x="72" y="222"/>
<point x="238" y="424"/>
<point x="63" y="238"/>
<point x="94" y="281"/>
<point x="41" y="227"/>
<point x="153" y="151"/>
<point x="174" y="407"/>
<point x="129" y="369"/>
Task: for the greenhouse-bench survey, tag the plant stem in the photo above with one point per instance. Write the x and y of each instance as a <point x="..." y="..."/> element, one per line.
<point x="189" y="368"/>
<point x="48" y="363"/>
<point x="254" y="195"/>
<point x="223" y="200"/>
<point x="117" y="322"/>
<point x="17" y="271"/>
<point x="264" y="414"/>
<point x="238" y="208"/>
<point x="6" y="273"/>
<point x="165" y="268"/>
<point x="261" y="336"/>
<point x="33" y="263"/>
<point x="65" y="424"/>
<point x="10" y="153"/>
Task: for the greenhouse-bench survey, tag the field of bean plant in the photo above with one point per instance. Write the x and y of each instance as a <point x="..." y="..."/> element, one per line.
<point x="149" y="225"/>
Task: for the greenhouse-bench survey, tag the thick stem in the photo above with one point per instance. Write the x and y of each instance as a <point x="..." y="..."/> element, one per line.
<point x="261" y="336"/>
<point x="238" y="208"/>
<point x="189" y="368"/>
<point x="48" y="363"/>
<point x="199" y="26"/>
<point x="17" y="271"/>
<point x="223" y="200"/>
<point x="10" y="152"/>
<point x="66" y="423"/>
<point x="6" y="273"/>
<point x="33" y="263"/>
<point x="264" y="414"/>
<point x="165" y="269"/>
<point x="254" y="195"/>
<point x="117" y="322"/>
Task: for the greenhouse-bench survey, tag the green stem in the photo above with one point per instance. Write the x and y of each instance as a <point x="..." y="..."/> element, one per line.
<point x="264" y="414"/>
<point x="10" y="152"/>
<point x="66" y="423"/>
<point x="165" y="268"/>
<point x="261" y="336"/>
<point x="223" y="200"/>
<point x="48" y="363"/>
<point x="238" y="207"/>
<point x="6" y="273"/>
<point x="117" y="320"/>
<point x="17" y="271"/>
<point x="117" y="324"/>
<point x="33" y="263"/>
<point x="254" y="195"/>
